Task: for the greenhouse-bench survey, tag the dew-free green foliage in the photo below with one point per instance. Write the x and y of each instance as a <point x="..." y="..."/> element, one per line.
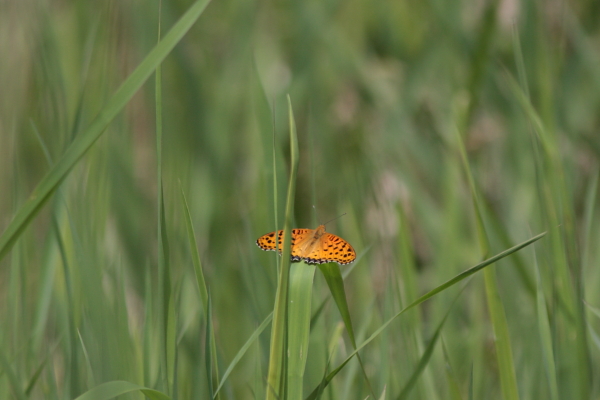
<point x="453" y="135"/>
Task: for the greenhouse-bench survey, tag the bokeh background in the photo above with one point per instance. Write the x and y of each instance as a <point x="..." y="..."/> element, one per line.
<point x="379" y="90"/>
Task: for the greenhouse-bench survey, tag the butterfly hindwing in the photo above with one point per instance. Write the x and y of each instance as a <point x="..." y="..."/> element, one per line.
<point x="336" y="249"/>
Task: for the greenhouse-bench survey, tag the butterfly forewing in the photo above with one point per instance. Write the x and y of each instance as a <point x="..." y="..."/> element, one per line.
<point x="267" y="242"/>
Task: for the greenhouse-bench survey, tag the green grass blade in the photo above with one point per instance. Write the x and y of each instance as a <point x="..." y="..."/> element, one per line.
<point x="474" y="269"/>
<point x="171" y="342"/>
<point x="345" y="274"/>
<point x="207" y="349"/>
<point x="590" y="201"/>
<point x="508" y="379"/>
<point x="42" y="143"/>
<point x="426" y="354"/>
<point x="594" y="310"/>
<point x="243" y="350"/>
<point x="407" y="292"/>
<point x="191" y="234"/>
<point x="277" y="353"/>
<point x="333" y="277"/>
<point x="38" y="371"/>
<point x="86" y="357"/>
<point x="558" y="211"/>
<point x="12" y="377"/>
<point x="301" y="283"/>
<point x="147" y="338"/>
<point x="164" y="271"/>
<point x="453" y="385"/>
<point x="428" y="295"/>
<point x="275" y="189"/>
<point x="471" y="384"/>
<point x="538" y="125"/>
<point x="484" y="242"/>
<point x="595" y="336"/>
<point x="503" y="236"/>
<point x="88" y="137"/>
<point x="545" y="334"/>
<point x="335" y="282"/>
<point x="164" y="288"/>
<point x="332" y="349"/>
<point x="200" y="281"/>
<point x="110" y="390"/>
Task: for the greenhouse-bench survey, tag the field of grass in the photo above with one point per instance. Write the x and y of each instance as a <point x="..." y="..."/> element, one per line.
<point x="145" y="146"/>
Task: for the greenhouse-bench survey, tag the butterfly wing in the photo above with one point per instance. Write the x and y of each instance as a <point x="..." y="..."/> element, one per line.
<point x="332" y="249"/>
<point x="329" y="248"/>
<point x="268" y="243"/>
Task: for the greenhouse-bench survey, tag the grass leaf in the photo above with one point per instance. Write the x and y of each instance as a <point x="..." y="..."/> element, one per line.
<point x="243" y="350"/>
<point x="110" y="390"/>
<point x="426" y="296"/>
<point x="545" y="334"/>
<point x="426" y="354"/>
<point x="278" y="354"/>
<point x="90" y="135"/>
<point x="301" y="283"/>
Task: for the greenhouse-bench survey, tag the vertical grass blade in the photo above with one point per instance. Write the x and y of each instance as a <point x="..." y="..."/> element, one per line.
<point x="590" y="201"/>
<point x="275" y="189"/>
<point x="191" y="234"/>
<point x="508" y="379"/>
<point x="471" y="384"/>
<point x="200" y="281"/>
<point x="150" y="362"/>
<point x="301" y="283"/>
<point x="506" y="367"/>
<point x="15" y="384"/>
<point x="88" y="137"/>
<point x="557" y="211"/>
<point x="207" y="350"/>
<point x="407" y="270"/>
<point x="277" y="354"/>
<point x="545" y="334"/>
<point x="164" y="277"/>
<point x="453" y="385"/>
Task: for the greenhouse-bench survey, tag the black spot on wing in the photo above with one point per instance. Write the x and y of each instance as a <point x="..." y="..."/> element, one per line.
<point x="262" y="248"/>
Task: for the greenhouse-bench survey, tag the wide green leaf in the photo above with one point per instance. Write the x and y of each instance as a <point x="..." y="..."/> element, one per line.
<point x="301" y="284"/>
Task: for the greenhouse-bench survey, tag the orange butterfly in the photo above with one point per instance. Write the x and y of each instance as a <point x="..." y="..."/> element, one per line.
<point x="314" y="246"/>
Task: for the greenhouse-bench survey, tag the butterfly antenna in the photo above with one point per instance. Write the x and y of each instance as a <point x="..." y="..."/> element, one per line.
<point x="316" y="213"/>
<point x="334" y="218"/>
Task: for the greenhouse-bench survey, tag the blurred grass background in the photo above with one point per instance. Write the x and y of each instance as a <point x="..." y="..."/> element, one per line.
<point x="379" y="89"/>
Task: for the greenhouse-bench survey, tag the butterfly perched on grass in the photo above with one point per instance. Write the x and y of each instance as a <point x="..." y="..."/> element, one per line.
<point x="314" y="246"/>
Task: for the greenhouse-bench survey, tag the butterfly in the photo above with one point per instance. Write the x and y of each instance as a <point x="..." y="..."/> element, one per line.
<point x="314" y="246"/>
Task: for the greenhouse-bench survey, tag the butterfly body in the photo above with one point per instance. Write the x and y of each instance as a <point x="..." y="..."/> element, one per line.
<point x="314" y="246"/>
